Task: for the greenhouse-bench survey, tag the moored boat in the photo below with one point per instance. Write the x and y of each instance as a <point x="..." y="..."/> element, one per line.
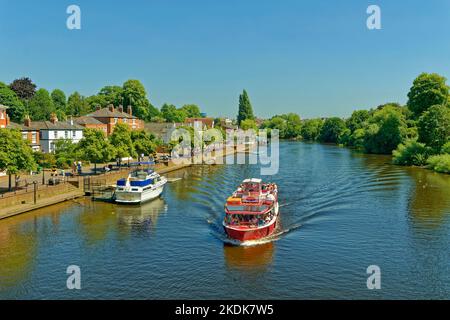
<point x="139" y="186"/>
<point x="252" y="211"/>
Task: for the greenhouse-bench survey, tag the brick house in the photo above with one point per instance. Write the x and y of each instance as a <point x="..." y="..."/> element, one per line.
<point x="110" y="116"/>
<point x="91" y="123"/>
<point x="30" y="132"/>
<point x="200" y="123"/>
<point x="4" y="118"/>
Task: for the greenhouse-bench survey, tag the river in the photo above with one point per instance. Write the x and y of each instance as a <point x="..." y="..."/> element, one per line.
<point x="341" y="211"/>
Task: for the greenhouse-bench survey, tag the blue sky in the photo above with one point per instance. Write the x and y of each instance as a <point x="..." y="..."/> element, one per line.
<point x="316" y="58"/>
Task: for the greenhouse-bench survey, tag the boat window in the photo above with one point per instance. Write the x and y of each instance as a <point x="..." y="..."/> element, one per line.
<point x="134" y="189"/>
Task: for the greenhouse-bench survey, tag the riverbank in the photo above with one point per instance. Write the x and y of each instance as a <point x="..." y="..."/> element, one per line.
<point x="43" y="196"/>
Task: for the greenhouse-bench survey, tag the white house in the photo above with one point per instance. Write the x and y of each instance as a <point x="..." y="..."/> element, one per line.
<point x="53" y="130"/>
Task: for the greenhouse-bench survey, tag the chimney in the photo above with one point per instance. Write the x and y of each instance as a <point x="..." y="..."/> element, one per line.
<point x="53" y="118"/>
<point x="120" y="108"/>
<point x="27" y="121"/>
<point x="130" y="110"/>
<point x="111" y="107"/>
<point x="7" y="119"/>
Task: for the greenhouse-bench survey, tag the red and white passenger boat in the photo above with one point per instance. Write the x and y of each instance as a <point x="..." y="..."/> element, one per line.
<point x="252" y="211"/>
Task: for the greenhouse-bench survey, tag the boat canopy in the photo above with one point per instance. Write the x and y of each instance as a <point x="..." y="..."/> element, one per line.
<point x="253" y="180"/>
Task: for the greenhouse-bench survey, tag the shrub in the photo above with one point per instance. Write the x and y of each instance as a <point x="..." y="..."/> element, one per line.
<point x="411" y="153"/>
<point x="446" y="148"/>
<point x="440" y="163"/>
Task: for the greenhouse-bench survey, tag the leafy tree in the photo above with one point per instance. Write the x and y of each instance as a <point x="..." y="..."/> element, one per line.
<point x="97" y="101"/>
<point x="120" y="139"/>
<point x="387" y="129"/>
<point x="311" y="129"/>
<point x="245" y="108"/>
<point x="434" y="127"/>
<point x="24" y="88"/>
<point x="446" y="148"/>
<point x="112" y="95"/>
<point x="249" y="124"/>
<point x="134" y="94"/>
<point x="411" y="153"/>
<point x="358" y="120"/>
<point x="440" y="163"/>
<point x="41" y="105"/>
<point x="66" y="153"/>
<point x="192" y="110"/>
<point x="144" y="143"/>
<point x="94" y="147"/>
<point x="427" y="90"/>
<point x="332" y="130"/>
<point x="44" y="159"/>
<point x="15" y="153"/>
<point x="172" y="114"/>
<point x="59" y="100"/>
<point x="357" y="139"/>
<point x="16" y="110"/>
<point x="77" y="105"/>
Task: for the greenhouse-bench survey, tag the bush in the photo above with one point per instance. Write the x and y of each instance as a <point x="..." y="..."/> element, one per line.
<point x="440" y="163"/>
<point x="446" y="148"/>
<point x="411" y="153"/>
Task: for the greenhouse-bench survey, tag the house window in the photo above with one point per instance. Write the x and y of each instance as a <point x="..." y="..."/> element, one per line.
<point x="115" y="120"/>
<point x="24" y="135"/>
<point x="55" y="134"/>
<point x="66" y="134"/>
<point x="125" y="120"/>
<point x="33" y="137"/>
<point x="74" y="133"/>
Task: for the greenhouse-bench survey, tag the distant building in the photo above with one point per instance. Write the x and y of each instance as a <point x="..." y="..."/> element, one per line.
<point x="51" y="131"/>
<point x="30" y="132"/>
<point x="91" y="123"/>
<point x="4" y="118"/>
<point x="111" y="116"/>
<point x="200" y="123"/>
<point x="162" y="130"/>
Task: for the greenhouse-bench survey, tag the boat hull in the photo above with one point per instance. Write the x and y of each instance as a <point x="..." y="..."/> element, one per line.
<point x="128" y="197"/>
<point x="250" y="234"/>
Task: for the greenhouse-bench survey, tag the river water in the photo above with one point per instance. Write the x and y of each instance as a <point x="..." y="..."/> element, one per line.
<point x="341" y="211"/>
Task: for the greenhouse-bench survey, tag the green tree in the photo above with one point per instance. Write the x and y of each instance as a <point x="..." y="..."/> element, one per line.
<point x="387" y="129"/>
<point x="332" y="130"/>
<point x="358" y="120"/>
<point x="24" y="88"/>
<point x="77" y="105"/>
<point x="41" y="105"/>
<point x="249" y="124"/>
<point x="411" y="153"/>
<point x="135" y="95"/>
<point x="144" y="143"/>
<point x="245" y="108"/>
<point x="16" y="109"/>
<point x="310" y="129"/>
<point x="111" y="95"/>
<point x="66" y="153"/>
<point x="59" y="100"/>
<point x="172" y="114"/>
<point x="94" y="147"/>
<point x="434" y="127"/>
<point x="120" y="139"/>
<point x="427" y="90"/>
<point x="15" y="153"/>
<point x="192" y="110"/>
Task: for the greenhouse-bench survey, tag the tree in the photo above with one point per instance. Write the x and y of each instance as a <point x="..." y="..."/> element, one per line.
<point x="249" y="124"/>
<point x="427" y="90"/>
<point x="311" y="129"/>
<point x="16" y="110"/>
<point x="387" y="129"/>
<point x="358" y="120"/>
<point x="111" y="95"/>
<point x="434" y="127"/>
<point x="332" y="130"/>
<point x="94" y="147"/>
<point x="192" y="110"/>
<point x="120" y="139"/>
<point x="144" y="143"/>
<point x="172" y="114"/>
<point x="245" y="108"/>
<point x="15" y="153"/>
<point x="41" y="105"/>
<point x="24" y="88"/>
<point x="66" y="153"/>
<point x="59" y="100"/>
<point x="77" y="105"/>
<point x="134" y="95"/>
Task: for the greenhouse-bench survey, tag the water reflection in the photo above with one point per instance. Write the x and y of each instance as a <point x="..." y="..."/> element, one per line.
<point x="250" y="257"/>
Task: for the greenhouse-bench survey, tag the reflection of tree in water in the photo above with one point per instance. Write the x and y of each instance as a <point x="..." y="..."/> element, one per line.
<point x="430" y="199"/>
<point x="18" y="250"/>
<point x="249" y="258"/>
